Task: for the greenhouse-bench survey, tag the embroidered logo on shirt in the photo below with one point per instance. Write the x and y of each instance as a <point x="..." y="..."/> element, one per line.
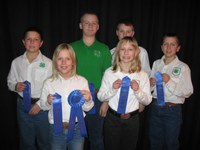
<point x="42" y="65"/>
<point x="97" y="53"/>
<point x="176" y="71"/>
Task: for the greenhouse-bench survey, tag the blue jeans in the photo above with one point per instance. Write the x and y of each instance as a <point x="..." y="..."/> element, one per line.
<point x="33" y="130"/>
<point x="94" y="124"/>
<point x="59" y="140"/>
<point x="164" y="123"/>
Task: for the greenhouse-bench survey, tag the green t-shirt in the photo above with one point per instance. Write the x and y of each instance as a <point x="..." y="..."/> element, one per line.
<point x="92" y="60"/>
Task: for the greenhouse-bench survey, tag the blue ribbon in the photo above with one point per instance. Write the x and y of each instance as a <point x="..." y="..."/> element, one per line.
<point x="27" y="97"/>
<point x="76" y="101"/>
<point x="160" y="89"/>
<point x="123" y="95"/>
<point x="57" y="113"/>
<point x="92" y="91"/>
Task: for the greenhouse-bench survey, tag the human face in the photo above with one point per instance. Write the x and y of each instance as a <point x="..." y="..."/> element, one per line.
<point x="64" y="63"/>
<point x="32" y="42"/>
<point x="170" y="47"/>
<point x="89" y="24"/>
<point x="124" y="30"/>
<point x="127" y="53"/>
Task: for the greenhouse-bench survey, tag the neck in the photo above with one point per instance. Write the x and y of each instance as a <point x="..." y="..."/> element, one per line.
<point x="31" y="56"/>
<point x="88" y="40"/>
<point x="168" y="60"/>
<point x="125" y="67"/>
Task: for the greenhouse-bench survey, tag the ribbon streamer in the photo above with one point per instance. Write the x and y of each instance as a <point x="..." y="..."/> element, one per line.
<point x="92" y="91"/>
<point x="160" y="89"/>
<point x="57" y="113"/>
<point x="123" y="95"/>
<point x="76" y="101"/>
<point x="27" y="97"/>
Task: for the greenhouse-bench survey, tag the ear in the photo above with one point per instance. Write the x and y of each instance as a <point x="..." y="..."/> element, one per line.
<point x="41" y="43"/>
<point x="80" y="26"/>
<point x="117" y="32"/>
<point x="133" y="33"/>
<point x="178" y="48"/>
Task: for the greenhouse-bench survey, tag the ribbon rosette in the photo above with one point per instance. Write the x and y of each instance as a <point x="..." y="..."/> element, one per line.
<point x="76" y="102"/>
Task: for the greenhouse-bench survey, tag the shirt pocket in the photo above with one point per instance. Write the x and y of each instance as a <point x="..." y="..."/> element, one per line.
<point x="40" y="75"/>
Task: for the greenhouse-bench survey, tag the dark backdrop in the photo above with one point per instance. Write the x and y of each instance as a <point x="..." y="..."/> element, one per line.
<point x="59" y="23"/>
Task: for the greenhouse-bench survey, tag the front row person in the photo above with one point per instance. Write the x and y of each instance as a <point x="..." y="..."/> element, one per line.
<point x="171" y="84"/>
<point x="124" y="86"/>
<point x="66" y="83"/>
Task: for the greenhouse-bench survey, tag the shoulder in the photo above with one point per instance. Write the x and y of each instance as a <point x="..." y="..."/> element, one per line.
<point x="109" y="70"/>
<point x="182" y="65"/>
<point x="142" y="50"/>
<point x="17" y="59"/>
<point x="75" y="43"/>
<point x="80" y="78"/>
<point x="103" y="45"/>
<point x="46" y="59"/>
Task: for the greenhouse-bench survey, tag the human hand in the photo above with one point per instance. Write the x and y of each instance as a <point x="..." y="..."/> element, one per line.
<point x="50" y="98"/>
<point x="20" y="86"/>
<point x="134" y="85"/>
<point x="141" y="107"/>
<point x="34" y="109"/>
<point x="117" y="84"/>
<point x="86" y="95"/>
<point x="165" y="77"/>
<point x="152" y="82"/>
<point x="103" y="109"/>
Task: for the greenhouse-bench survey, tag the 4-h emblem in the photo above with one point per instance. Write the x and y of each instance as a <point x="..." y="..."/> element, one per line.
<point x="42" y="65"/>
<point x="176" y="71"/>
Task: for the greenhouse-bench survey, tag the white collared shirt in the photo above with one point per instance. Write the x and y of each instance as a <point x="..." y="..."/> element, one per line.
<point x="35" y="72"/>
<point x="180" y="85"/>
<point x="108" y="93"/>
<point x="64" y="87"/>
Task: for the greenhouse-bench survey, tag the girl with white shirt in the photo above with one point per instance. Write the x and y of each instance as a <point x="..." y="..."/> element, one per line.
<point x="121" y="127"/>
<point x="63" y="81"/>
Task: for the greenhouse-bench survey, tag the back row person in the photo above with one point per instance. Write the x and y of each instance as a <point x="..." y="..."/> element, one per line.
<point x="126" y="28"/>
<point x="93" y="59"/>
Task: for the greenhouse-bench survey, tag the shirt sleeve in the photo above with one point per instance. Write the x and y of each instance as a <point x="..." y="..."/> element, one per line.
<point x="11" y="79"/>
<point x="106" y="90"/>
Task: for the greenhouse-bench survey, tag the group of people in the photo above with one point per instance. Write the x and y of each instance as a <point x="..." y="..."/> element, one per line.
<point x="90" y="92"/>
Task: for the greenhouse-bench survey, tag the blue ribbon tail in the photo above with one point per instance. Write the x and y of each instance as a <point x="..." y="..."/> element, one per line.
<point x="160" y="89"/>
<point x="27" y="97"/>
<point x="81" y="122"/>
<point x="57" y="114"/>
<point x="92" y="91"/>
<point x="123" y="95"/>
<point x="71" y="123"/>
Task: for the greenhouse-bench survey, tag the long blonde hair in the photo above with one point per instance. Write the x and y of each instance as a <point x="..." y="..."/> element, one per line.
<point x="136" y="63"/>
<point x="59" y="48"/>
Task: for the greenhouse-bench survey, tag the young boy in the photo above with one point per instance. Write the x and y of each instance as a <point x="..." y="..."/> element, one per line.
<point x="33" y="67"/>
<point x="166" y="119"/>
